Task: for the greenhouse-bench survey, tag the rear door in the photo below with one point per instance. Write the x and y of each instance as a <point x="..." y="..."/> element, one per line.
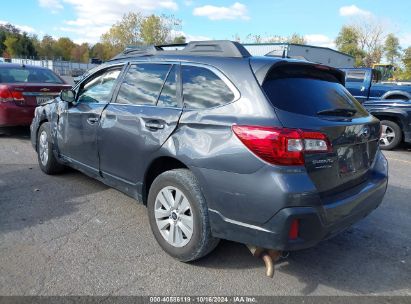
<point x="311" y="97"/>
<point x="138" y="122"/>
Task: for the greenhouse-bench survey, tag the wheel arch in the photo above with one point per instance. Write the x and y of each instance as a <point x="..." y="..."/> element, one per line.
<point x="389" y="116"/>
<point x="43" y="120"/>
<point x="393" y="118"/>
<point x="397" y="116"/>
<point x="157" y="167"/>
<point x="397" y="94"/>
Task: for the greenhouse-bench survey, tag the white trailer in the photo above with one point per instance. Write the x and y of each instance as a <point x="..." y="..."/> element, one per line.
<point x="311" y="53"/>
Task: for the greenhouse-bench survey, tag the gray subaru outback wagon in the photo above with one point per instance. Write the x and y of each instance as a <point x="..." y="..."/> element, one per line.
<point x="270" y="152"/>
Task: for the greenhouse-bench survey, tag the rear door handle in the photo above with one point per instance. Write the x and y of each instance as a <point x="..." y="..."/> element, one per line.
<point x="153" y="124"/>
<point x="92" y="120"/>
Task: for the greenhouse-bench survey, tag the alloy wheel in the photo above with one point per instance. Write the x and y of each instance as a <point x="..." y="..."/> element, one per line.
<point x="174" y="217"/>
<point x="43" y="148"/>
<point x="387" y="135"/>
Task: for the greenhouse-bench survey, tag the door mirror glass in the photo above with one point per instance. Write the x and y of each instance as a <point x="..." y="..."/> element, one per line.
<point x="68" y="96"/>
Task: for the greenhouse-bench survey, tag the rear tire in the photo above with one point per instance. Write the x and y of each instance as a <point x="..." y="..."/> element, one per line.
<point x="47" y="161"/>
<point x="178" y="216"/>
<point x="391" y="135"/>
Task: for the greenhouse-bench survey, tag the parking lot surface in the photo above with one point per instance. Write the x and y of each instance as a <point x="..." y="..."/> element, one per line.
<point x="72" y="235"/>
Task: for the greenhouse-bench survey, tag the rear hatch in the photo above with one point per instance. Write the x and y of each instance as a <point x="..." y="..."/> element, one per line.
<point x="31" y="85"/>
<point x="33" y="94"/>
<point x="313" y="98"/>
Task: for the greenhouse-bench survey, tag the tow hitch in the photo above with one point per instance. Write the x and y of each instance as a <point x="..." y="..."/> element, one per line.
<point x="269" y="256"/>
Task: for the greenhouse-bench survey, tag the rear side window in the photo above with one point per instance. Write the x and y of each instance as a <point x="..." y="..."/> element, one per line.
<point x="168" y="96"/>
<point x="355" y="76"/>
<point x="14" y="75"/>
<point x="142" y="84"/>
<point x="307" y="90"/>
<point x="203" y="89"/>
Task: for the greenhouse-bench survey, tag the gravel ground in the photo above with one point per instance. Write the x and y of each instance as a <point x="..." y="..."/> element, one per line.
<point x="72" y="235"/>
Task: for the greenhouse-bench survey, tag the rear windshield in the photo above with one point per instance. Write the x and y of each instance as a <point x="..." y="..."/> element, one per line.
<point x="307" y="90"/>
<point x="14" y="75"/>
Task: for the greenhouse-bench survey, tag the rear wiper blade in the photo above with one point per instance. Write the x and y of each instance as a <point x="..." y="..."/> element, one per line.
<point x="338" y="112"/>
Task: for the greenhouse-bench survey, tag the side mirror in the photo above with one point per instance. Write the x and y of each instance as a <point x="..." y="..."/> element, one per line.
<point x="68" y="95"/>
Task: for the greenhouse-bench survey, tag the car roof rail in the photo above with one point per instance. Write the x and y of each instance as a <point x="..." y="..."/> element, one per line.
<point x="137" y="50"/>
<point x="216" y="48"/>
<point x="170" y="45"/>
<point x="219" y="48"/>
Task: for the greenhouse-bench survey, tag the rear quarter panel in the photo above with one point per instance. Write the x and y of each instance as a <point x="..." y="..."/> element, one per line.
<point x="226" y="169"/>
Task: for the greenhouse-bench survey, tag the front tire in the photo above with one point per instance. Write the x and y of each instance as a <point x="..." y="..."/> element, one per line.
<point x="178" y="216"/>
<point x="391" y="135"/>
<point x="47" y="161"/>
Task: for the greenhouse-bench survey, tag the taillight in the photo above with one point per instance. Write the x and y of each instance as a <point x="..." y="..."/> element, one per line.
<point x="17" y="96"/>
<point x="281" y="146"/>
<point x="294" y="228"/>
<point x="6" y="95"/>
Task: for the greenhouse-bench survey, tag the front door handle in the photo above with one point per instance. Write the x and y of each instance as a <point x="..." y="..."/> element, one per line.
<point x="92" y="120"/>
<point x="154" y="124"/>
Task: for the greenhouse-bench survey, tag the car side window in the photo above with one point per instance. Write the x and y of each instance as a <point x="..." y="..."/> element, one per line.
<point x="168" y="96"/>
<point x="204" y="89"/>
<point x="98" y="89"/>
<point x="355" y="76"/>
<point x="142" y="84"/>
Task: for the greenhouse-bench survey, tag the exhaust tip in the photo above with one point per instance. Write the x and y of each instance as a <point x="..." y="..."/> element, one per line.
<point x="269" y="265"/>
<point x="269" y="257"/>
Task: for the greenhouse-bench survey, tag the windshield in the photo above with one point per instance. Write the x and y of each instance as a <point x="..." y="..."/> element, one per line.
<point x="308" y="91"/>
<point x="27" y="75"/>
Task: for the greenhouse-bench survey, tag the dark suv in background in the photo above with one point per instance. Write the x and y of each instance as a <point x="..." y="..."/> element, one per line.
<point x="272" y="152"/>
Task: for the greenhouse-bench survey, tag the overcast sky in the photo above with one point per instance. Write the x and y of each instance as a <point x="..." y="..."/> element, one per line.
<point x="318" y="20"/>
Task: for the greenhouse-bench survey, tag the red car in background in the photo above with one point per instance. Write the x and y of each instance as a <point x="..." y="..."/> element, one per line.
<point x="22" y="88"/>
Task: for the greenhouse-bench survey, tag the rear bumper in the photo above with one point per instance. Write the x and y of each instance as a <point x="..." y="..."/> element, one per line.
<point x="14" y="115"/>
<point x="316" y="222"/>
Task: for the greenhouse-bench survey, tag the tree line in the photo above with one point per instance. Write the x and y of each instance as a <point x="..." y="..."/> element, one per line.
<point x="366" y="41"/>
<point x="132" y="29"/>
<point x="14" y="43"/>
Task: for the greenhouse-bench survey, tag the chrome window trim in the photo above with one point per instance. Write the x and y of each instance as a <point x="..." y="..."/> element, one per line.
<point x="142" y="105"/>
<point x="169" y="62"/>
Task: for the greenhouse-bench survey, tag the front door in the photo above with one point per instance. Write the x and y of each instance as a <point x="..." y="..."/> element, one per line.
<point x="79" y="123"/>
<point x="144" y="114"/>
<point x="357" y="83"/>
